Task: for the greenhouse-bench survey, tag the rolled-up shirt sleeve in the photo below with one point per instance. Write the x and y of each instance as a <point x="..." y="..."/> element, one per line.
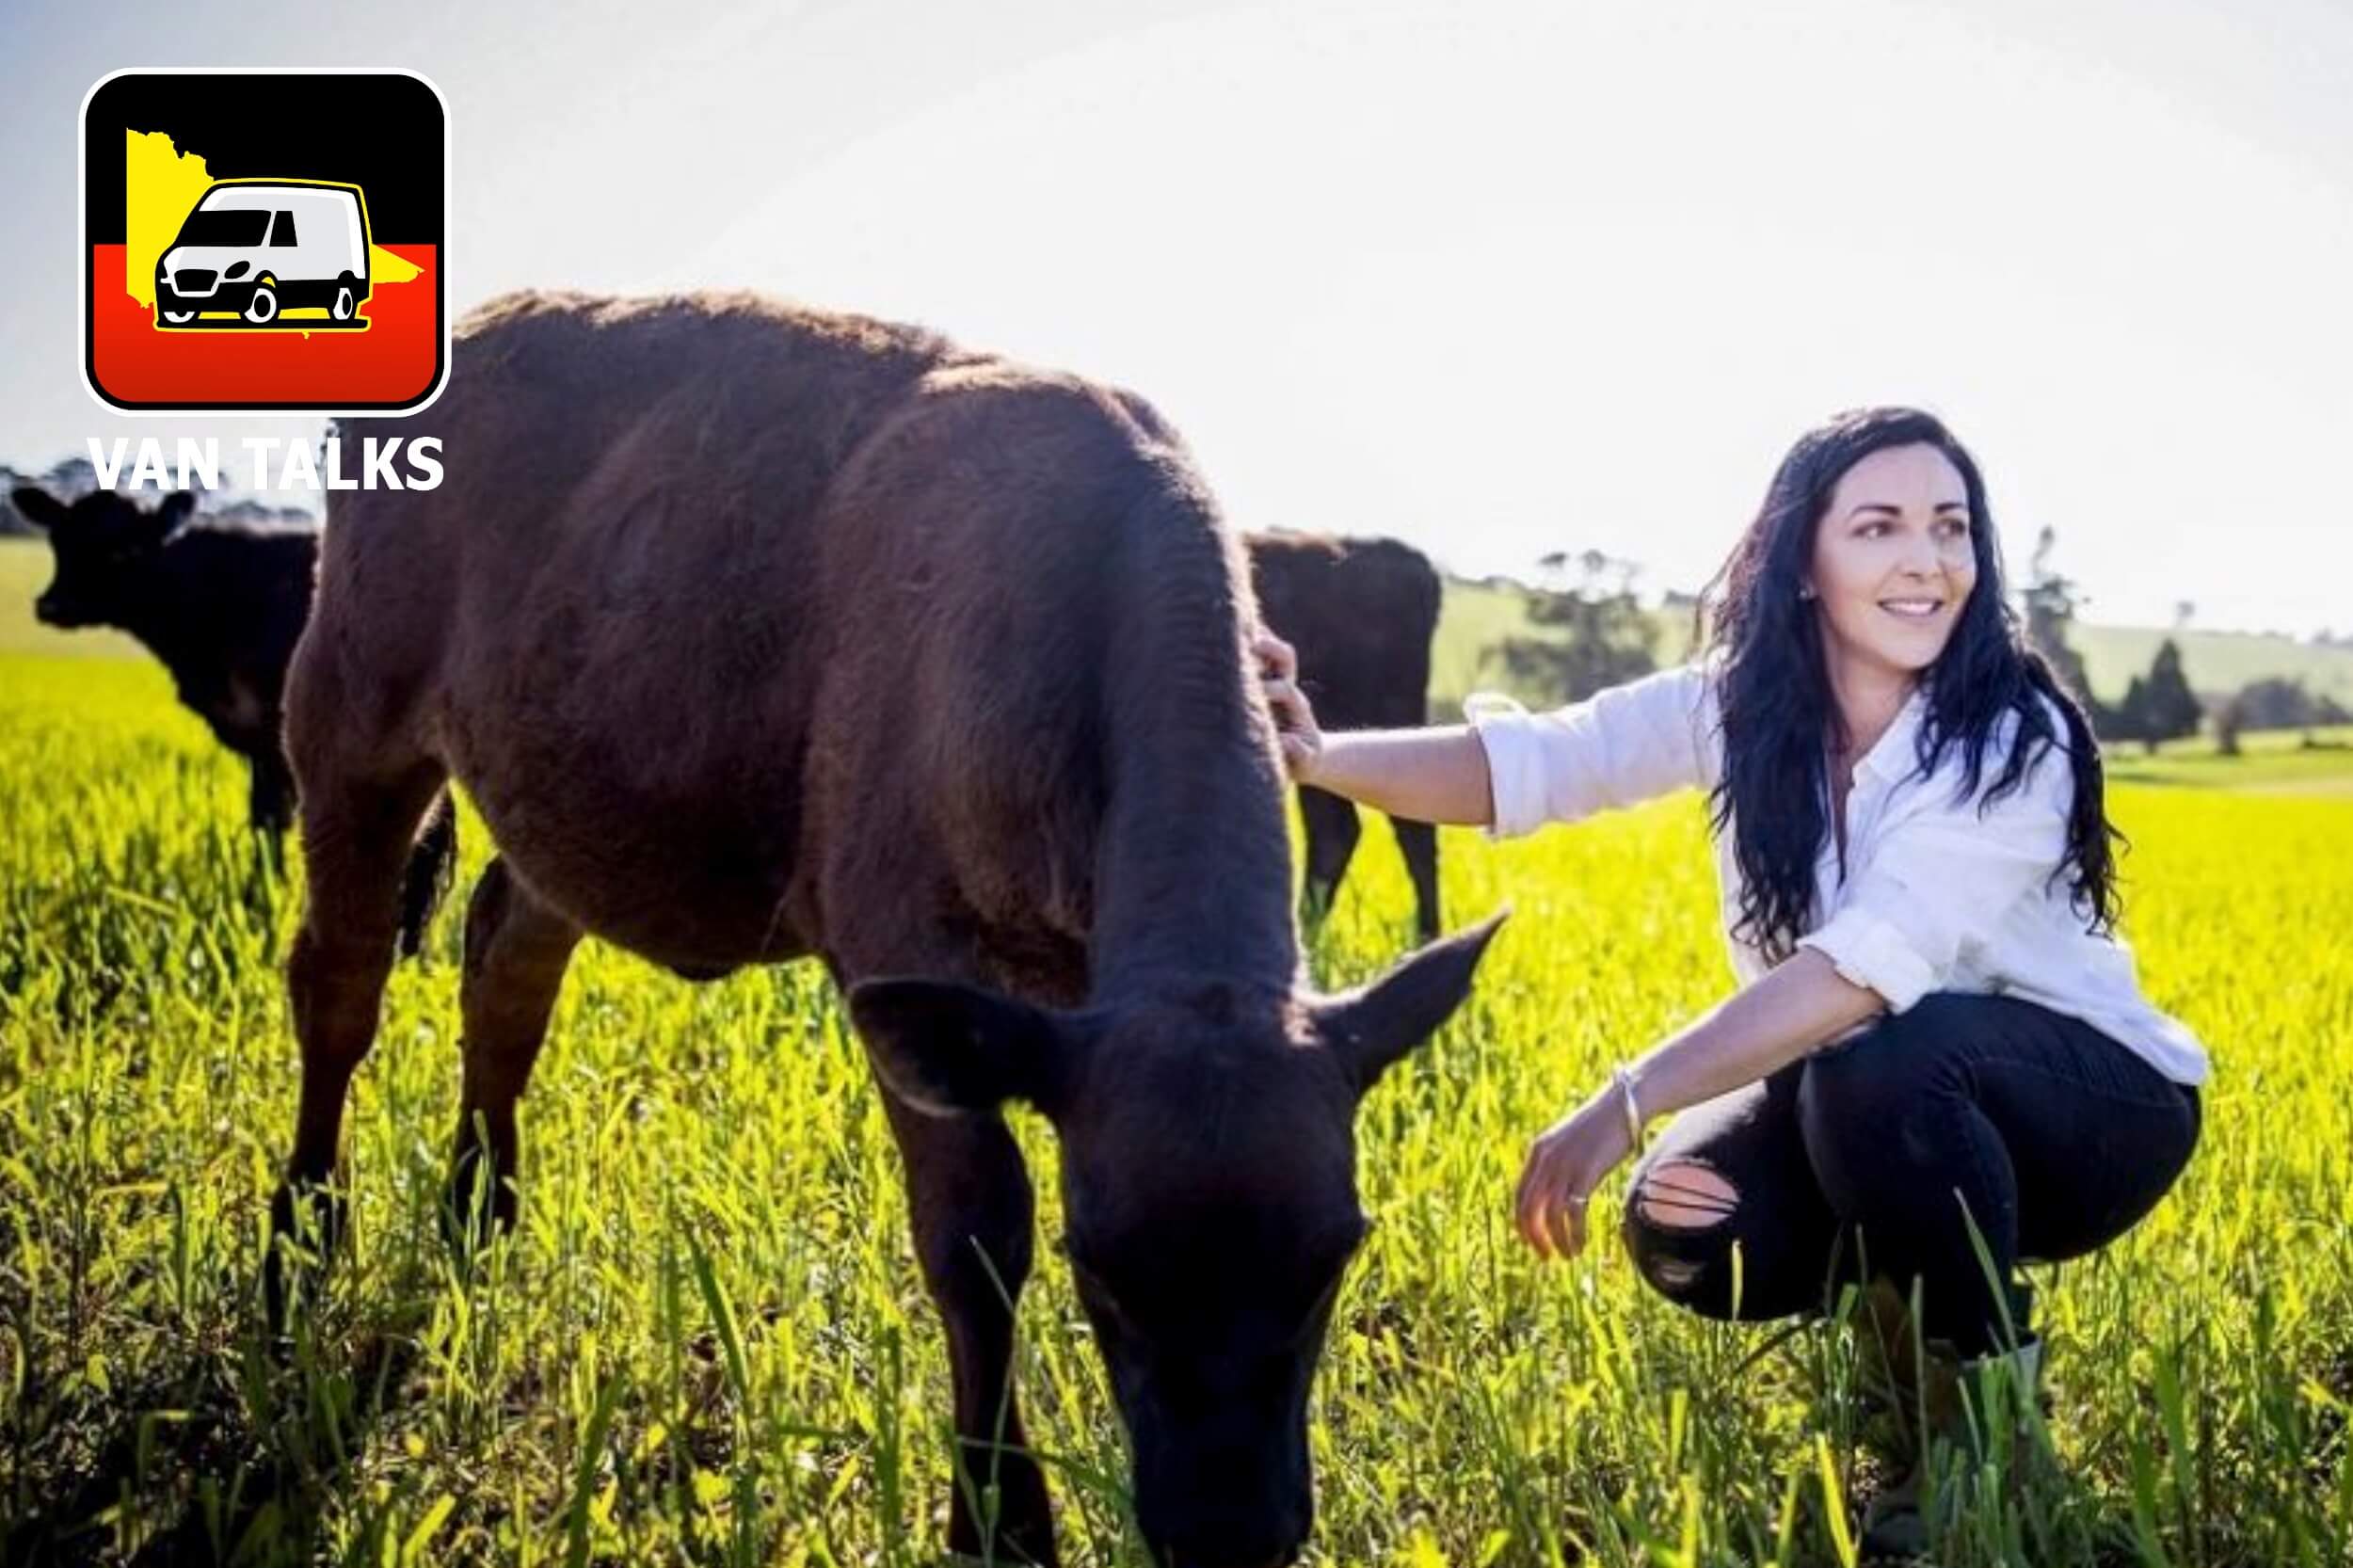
<point x="1619" y="747"/>
<point x="1942" y="879"/>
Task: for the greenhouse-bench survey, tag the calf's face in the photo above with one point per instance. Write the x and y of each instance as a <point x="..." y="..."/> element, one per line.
<point x="104" y="545"/>
<point x="1209" y="1195"/>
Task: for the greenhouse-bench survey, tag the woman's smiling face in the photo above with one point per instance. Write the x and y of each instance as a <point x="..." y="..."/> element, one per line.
<point x="1894" y="560"/>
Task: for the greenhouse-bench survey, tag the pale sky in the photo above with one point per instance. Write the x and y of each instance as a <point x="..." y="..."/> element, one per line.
<point x="1497" y="278"/>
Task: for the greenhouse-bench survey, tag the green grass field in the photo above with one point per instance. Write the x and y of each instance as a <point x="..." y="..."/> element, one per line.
<point x="707" y="1342"/>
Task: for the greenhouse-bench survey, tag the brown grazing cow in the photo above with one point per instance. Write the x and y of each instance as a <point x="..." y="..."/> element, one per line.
<point x="222" y="606"/>
<point x="1361" y="614"/>
<point x="758" y="632"/>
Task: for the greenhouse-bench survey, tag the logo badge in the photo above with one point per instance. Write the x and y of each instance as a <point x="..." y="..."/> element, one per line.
<point x="263" y="241"/>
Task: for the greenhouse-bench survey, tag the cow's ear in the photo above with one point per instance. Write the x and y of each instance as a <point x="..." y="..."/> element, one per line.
<point x="37" y="506"/>
<point x="945" y="1047"/>
<point x="1370" y="1028"/>
<point x="172" y="511"/>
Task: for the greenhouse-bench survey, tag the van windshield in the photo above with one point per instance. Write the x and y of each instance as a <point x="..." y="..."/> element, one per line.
<point x="217" y="226"/>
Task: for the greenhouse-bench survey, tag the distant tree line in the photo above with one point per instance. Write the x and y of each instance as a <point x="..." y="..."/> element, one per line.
<point x="67" y="481"/>
<point x="75" y="477"/>
<point x="2161" y="706"/>
<point x="1592" y="632"/>
<point x="2275" y="702"/>
<point x="2157" y="707"/>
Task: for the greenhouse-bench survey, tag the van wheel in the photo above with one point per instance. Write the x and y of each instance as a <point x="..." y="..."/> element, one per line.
<point x="263" y="308"/>
<point x="345" y="305"/>
<point x="176" y="317"/>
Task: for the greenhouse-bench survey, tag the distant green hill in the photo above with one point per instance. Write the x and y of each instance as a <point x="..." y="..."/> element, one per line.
<point x="1476" y="617"/>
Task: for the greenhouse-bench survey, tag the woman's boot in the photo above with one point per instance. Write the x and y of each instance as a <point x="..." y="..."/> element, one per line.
<point x="1976" y="1409"/>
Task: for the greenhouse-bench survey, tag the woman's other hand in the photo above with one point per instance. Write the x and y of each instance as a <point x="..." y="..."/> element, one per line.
<point x="1564" y="1165"/>
<point x="1295" y="719"/>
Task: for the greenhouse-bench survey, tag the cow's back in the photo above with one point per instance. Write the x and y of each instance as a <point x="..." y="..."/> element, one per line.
<point x="597" y="450"/>
<point x="600" y="621"/>
<point x="691" y="555"/>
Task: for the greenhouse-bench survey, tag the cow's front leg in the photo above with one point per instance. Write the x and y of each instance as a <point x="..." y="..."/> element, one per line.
<point x="968" y="1196"/>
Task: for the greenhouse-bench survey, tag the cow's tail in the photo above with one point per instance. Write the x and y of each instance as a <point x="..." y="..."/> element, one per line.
<point x="431" y="860"/>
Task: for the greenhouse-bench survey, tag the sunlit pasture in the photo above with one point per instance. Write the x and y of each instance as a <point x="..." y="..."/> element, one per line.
<point x="707" y="1341"/>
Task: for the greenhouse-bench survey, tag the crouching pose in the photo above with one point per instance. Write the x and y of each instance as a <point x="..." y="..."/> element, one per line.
<point x="1938" y="1044"/>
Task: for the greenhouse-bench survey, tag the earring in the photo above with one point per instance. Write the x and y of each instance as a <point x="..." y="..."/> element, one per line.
<point x="1805" y="592"/>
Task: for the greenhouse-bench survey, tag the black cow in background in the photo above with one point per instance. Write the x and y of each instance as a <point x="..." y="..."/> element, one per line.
<point x="222" y="606"/>
<point x="1361" y="613"/>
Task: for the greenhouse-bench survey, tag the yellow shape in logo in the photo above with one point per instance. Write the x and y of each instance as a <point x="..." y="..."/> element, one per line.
<point x="385" y="268"/>
<point x="160" y="185"/>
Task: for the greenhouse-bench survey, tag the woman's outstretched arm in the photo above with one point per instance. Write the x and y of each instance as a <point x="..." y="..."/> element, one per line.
<point x="1509" y="770"/>
<point x="1438" y="774"/>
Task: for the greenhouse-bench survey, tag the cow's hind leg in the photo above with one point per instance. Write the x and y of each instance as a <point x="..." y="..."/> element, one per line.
<point x="1418" y="841"/>
<point x="356" y="834"/>
<point x="970" y="1199"/>
<point x="430" y="866"/>
<point x="1331" y="833"/>
<point x="517" y="949"/>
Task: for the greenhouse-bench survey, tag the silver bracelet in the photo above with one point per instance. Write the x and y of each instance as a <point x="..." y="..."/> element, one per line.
<point x="1622" y="1077"/>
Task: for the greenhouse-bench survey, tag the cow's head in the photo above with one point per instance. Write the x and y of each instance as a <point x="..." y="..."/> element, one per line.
<point x="104" y="544"/>
<point x="1208" y="1181"/>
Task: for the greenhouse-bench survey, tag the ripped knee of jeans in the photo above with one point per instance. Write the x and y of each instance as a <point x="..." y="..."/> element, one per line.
<point x="1685" y="1194"/>
<point x="1674" y="1216"/>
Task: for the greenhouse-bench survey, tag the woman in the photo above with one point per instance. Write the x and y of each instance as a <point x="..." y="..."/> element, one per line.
<point x="1937" y="1042"/>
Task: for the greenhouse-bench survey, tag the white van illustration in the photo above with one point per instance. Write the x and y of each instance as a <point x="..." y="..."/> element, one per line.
<point x="260" y="248"/>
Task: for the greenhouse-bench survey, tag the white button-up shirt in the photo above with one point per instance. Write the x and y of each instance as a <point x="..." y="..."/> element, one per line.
<point x="1933" y="895"/>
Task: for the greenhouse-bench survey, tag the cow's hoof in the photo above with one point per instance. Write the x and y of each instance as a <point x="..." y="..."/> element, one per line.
<point x="476" y="1205"/>
<point x="1024" y="1519"/>
<point x="306" y="1228"/>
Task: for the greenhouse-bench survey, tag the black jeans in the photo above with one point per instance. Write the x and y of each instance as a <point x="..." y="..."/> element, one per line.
<point x="2046" y="1134"/>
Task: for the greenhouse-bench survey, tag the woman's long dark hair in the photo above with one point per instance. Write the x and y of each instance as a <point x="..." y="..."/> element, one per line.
<point x="1779" y="714"/>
